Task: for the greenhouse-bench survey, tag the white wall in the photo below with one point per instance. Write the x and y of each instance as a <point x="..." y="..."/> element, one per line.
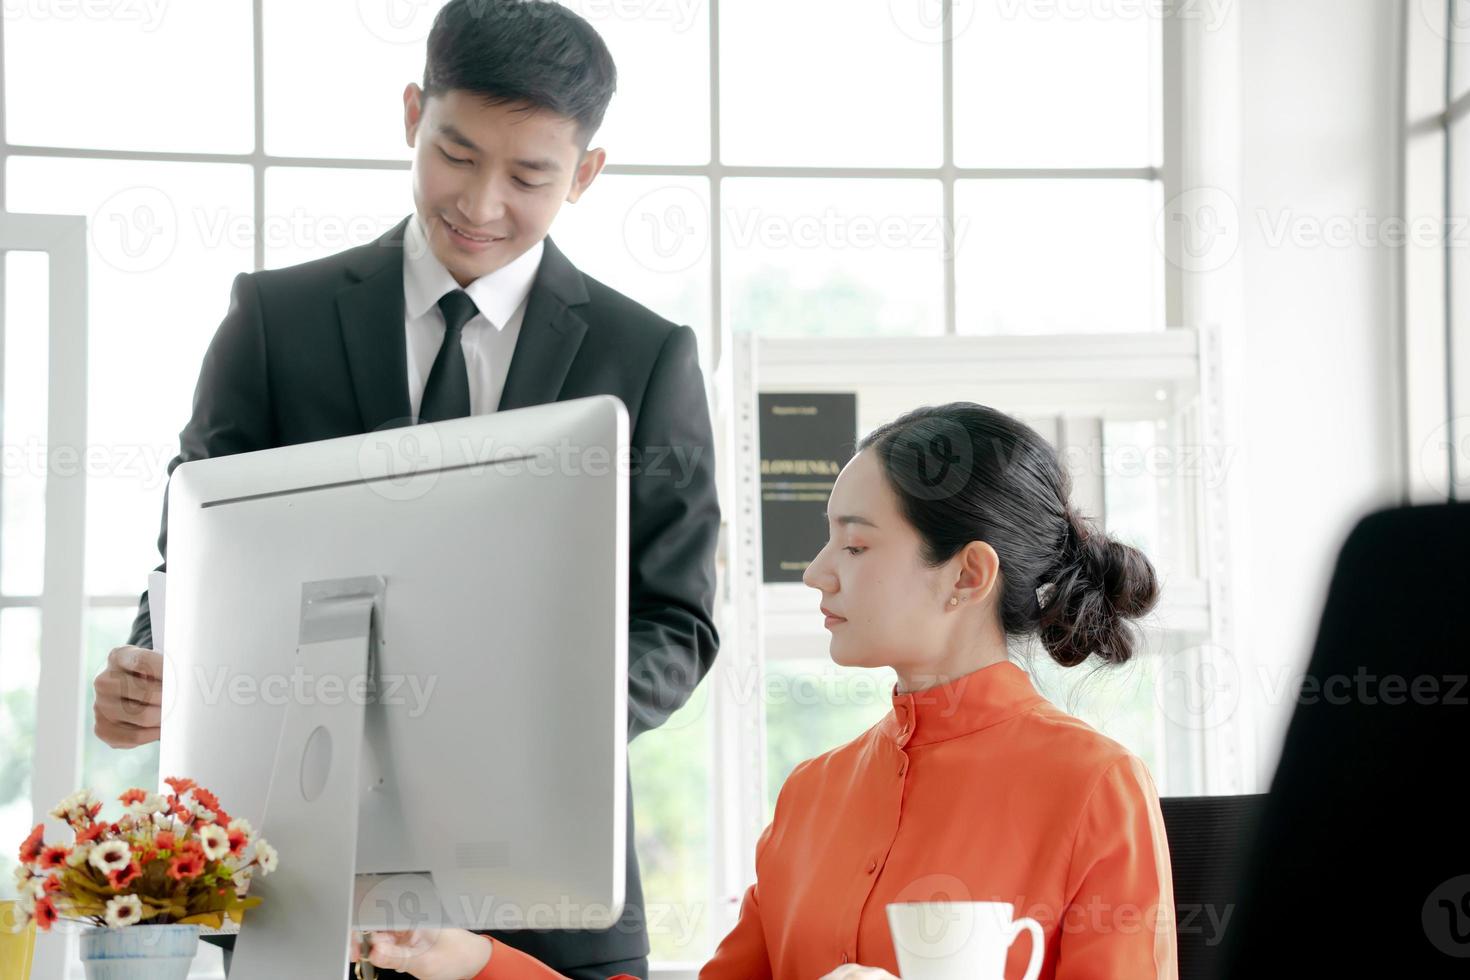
<point x="1317" y="398"/>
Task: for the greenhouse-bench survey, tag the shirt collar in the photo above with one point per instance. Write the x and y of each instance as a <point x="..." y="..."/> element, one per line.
<point x="966" y="704"/>
<point x="496" y="295"/>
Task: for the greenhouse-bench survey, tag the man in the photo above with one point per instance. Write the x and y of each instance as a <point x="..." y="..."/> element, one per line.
<point x="467" y="307"/>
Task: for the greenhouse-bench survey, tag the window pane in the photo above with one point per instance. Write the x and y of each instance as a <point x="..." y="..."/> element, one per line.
<point x="1123" y="702"/>
<point x="1134" y="473"/>
<point x="813" y="706"/>
<point x="1459" y="28"/>
<point x="830" y="82"/>
<point x="20" y="670"/>
<point x="652" y="44"/>
<point x="336" y="74"/>
<point x="23" y="480"/>
<point x="1459" y="276"/>
<point x="1057" y="256"/>
<point x="1056" y="85"/>
<point x="816" y="257"/>
<point x="647" y="237"/>
<point x="311" y="212"/>
<point x="669" y="767"/>
<point x="166" y="239"/>
<point x="130" y="76"/>
<point x="107" y="771"/>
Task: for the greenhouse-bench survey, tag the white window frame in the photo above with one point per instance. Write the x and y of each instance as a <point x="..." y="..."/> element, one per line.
<point x="1434" y="420"/>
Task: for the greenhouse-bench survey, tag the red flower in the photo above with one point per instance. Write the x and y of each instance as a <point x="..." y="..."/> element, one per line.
<point x="238" y="840"/>
<point x="179" y="785"/>
<point x="206" y="798"/>
<point x="45" y="914"/>
<point x="92" y="833"/>
<point x="54" y="857"/>
<point x="191" y="846"/>
<point x="93" y="810"/>
<point x="179" y="809"/>
<point x="186" y="866"/>
<point x="165" y="840"/>
<point x="148" y="856"/>
<point x="132" y="796"/>
<point x="125" y="877"/>
<point x="30" y="848"/>
<point x="51" y="885"/>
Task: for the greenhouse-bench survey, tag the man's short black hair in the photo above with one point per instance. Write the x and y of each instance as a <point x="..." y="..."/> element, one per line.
<point x="535" y="52"/>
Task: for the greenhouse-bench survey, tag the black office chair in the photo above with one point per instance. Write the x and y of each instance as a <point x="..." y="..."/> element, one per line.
<point x="1362" y="860"/>
<point x="1209" y="841"/>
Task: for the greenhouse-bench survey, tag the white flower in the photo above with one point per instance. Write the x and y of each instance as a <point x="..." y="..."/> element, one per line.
<point x="124" y="910"/>
<point x="215" y="841"/>
<point x="241" y="825"/>
<point x="22" y="875"/>
<point x="27" y="902"/>
<point x="200" y="810"/>
<point x="146" y="807"/>
<point x="242" y="883"/>
<point x="79" y="854"/>
<point x="23" y="919"/>
<point x="266" y="856"/>
<point x="109" y="856"/>
<point x="73" y="806"/>
<point x="36" y="887"/>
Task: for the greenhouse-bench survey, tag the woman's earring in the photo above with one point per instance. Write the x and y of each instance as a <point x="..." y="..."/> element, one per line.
<point x="954" y="600"/>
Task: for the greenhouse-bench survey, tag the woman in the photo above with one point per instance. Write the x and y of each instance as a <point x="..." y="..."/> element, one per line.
<point x="950" y="534"/>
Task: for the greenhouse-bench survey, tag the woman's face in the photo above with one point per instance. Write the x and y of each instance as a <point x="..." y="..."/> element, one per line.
<point x="893" y="608"/>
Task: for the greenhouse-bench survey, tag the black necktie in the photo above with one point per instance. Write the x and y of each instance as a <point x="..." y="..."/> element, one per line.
<point x="447" y="392"/>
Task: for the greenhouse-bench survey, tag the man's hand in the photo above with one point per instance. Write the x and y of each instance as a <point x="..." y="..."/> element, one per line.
<point x="429" y="954"/>
<point x="129" y="690"/>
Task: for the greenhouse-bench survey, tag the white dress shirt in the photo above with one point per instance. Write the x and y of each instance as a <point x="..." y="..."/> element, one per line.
<point x="488" y="339"/>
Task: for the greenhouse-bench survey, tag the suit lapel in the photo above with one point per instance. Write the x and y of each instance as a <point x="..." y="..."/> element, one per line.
<point x="372" y="321"/>
<point x="371" y="314"/>
<point x="551" y="333"/>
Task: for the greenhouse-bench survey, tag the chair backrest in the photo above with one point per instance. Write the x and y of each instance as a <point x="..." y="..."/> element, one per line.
<point x="1209" y="844"/>
<point x="1362" y="861"/>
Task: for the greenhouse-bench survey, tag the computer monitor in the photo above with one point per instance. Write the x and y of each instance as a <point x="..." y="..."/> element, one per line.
<point x="489" y="555"/>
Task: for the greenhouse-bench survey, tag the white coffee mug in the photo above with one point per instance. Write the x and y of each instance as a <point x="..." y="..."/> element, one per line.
<point x="960" y="940"/>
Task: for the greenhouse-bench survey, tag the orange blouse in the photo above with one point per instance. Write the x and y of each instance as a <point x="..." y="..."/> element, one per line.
<point x="975" y="790"/>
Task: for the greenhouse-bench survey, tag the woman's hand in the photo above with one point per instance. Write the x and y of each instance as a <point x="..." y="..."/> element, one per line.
<point x="854" y="972"/>
<point x="429" y="954"/>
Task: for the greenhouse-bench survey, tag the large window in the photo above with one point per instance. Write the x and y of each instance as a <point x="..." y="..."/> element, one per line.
<point x="789" y="169"/>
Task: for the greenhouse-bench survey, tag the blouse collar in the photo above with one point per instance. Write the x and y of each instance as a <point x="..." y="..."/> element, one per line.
<point x="966" y="704"/>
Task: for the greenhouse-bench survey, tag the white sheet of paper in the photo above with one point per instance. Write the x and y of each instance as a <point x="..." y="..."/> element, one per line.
<point x="157" y="595"/>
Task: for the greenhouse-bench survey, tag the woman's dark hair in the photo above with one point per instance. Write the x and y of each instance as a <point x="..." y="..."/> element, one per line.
<point x="964" y="472"/>
<point x="522" y="51"/>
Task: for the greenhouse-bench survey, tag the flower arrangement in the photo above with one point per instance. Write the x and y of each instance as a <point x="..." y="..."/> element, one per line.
<point x="176" y="859"/>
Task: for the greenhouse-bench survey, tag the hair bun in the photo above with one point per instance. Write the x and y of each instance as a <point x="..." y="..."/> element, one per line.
<point x="1100" y="585"/>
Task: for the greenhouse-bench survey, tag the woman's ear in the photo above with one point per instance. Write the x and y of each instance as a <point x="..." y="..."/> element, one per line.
<point x="979" y="570"/>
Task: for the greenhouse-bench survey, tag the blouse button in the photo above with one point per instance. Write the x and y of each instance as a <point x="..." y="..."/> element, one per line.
<point x="844" y="957"/>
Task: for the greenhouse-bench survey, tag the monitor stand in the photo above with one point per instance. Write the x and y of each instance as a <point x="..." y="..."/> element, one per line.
<point x="301" y="928"/>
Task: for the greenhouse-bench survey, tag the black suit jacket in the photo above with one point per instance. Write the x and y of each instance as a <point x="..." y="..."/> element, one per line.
<point x="317" y="351"/>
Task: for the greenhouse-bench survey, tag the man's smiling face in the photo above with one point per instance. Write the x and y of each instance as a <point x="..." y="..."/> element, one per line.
<point x="488" y="179"/>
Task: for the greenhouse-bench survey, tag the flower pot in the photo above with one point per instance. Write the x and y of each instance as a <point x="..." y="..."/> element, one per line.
<point x="140" y="952"/>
